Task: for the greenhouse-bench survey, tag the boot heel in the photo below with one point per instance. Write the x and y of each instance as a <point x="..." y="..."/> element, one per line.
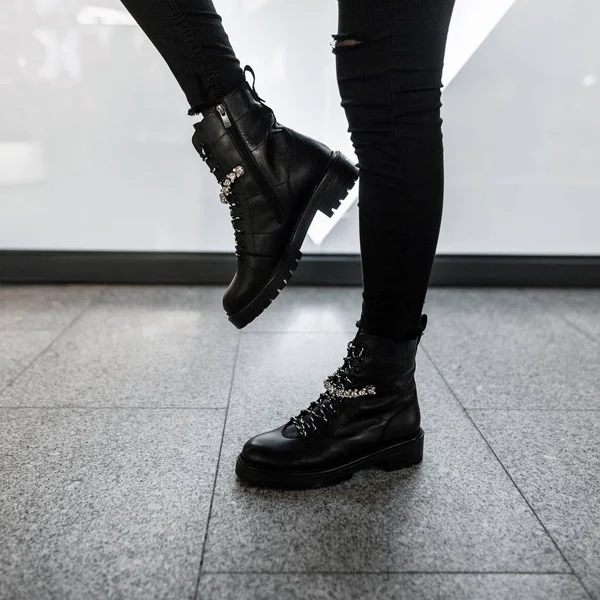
<point x="338" y="181"/>
<point x="410" y="455"/>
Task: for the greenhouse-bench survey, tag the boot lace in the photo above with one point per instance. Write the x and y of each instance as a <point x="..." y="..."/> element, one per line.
<point x="226" y="195"/>
<point x="249" y="69"/>
<point x="339" y="386"/>
<point x="227" y="191"/>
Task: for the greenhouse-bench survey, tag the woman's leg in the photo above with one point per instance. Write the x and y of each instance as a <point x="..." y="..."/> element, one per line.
<point x="272" y="178"/>
<point x="190" y="37"/>
<point x="389" y="56"/>
<point x="389" y="59"/>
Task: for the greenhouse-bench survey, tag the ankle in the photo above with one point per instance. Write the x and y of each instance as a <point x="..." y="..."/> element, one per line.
<point x="398" y="336"/>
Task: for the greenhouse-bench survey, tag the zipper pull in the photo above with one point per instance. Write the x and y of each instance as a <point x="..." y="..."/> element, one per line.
<point x="224" y="116"/>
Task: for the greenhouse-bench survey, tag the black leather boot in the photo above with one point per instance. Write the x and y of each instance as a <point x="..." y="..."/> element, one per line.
<point x="274" y="181"/>
<point x="368" y="416"/>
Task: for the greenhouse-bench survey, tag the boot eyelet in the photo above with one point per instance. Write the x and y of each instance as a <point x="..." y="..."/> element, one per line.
<point x="357" y="370"/>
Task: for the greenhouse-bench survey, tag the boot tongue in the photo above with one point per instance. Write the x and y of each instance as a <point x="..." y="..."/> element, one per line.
<point x="290" y="431"/>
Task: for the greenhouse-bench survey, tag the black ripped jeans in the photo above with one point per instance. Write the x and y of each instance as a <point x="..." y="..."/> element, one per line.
<point x="389" y="57"/>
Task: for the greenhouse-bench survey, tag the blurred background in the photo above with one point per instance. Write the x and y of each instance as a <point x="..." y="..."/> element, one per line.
<point x="95" y="150"/>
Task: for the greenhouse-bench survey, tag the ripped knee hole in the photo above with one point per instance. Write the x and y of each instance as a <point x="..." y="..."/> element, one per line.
<point x="345" y="40"/>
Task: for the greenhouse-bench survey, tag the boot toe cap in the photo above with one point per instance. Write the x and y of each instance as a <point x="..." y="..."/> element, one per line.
<point x="247" y="283"/>
<point x="272" y="451"/>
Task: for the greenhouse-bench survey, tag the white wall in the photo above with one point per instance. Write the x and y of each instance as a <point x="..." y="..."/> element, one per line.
<point x="95" y="148"/>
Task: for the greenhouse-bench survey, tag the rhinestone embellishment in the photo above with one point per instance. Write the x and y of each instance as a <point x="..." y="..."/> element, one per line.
<point x="227" y="182"/>
<point x="342" y="392"/>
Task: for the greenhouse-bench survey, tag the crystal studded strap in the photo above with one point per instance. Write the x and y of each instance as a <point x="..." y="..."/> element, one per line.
<point x="227" y="182"/>
<point x="342" y="392"/>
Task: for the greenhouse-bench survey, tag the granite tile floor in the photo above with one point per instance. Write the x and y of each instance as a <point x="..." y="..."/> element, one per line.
<point x="122" y="409"/>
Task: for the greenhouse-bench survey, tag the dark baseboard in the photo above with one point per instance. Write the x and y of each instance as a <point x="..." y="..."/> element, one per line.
<point x="31" y="266"/>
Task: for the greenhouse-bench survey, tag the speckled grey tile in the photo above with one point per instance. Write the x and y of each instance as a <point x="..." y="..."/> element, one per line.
<point x="133" y="357"/>
<point x="18" y="349"/>
<point x="581" y="307"/>
<point x="457" y="511"/>
<point x="51" y="308"/>
<point x="504" y="349"/>
<point x="309" y="309"/>
<point x="554" y="458"/>
<point x="201" y="299"/>
<point x="390" y="587"/>
<point x="183" y="308"/>
<point x="104" y="504"/>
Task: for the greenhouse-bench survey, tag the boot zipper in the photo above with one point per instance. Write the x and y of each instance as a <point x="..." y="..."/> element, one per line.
<point x="224" y="116"/>
<point x="241" y="146"/>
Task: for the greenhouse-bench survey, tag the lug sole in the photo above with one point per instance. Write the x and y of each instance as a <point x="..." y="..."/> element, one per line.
<point x="392" y="458"/>
<point x="334" y="187"/>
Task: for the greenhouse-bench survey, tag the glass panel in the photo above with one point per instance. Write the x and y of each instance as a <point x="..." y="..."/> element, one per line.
<point x="95" y="148"/>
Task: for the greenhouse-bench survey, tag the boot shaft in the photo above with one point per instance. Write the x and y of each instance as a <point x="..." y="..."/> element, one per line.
<point x="281" y="168"/>
<point x="382" y="360"/>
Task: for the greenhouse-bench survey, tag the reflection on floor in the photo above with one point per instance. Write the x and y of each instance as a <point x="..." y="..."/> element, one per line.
<point x="122" y="410"/>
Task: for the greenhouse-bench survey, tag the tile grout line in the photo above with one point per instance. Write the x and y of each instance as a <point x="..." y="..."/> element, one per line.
<point x="133" y="407"/>
<point x="477" y="408"/>
<point x="218" y="464"/>
<point x="573" y="572"/>
<point x="589" y="336"/>
<point x="351" y="573"/>
<point x="113" y="407"/>
<point x="305" y="332"/>
<point x="63" y="331"/>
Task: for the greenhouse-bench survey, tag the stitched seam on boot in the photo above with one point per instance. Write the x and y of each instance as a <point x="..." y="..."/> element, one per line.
<point x="289" y="169"/>
<point x="252" y="223"/>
